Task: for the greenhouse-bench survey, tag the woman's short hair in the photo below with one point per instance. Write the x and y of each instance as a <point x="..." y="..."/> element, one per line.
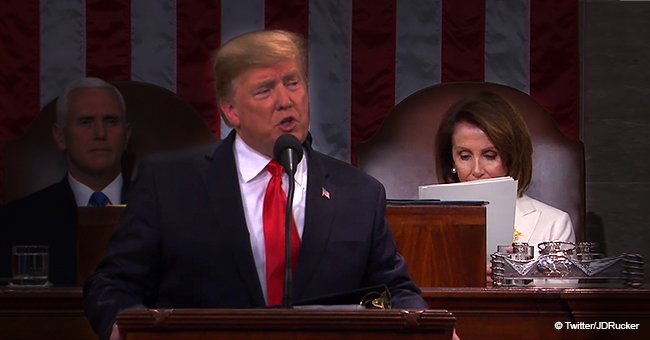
<point x="89" y="82"/>
<point x="503" y="125"/>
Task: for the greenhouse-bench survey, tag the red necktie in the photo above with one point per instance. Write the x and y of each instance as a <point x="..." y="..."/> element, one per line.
<point x="273" y="216"/>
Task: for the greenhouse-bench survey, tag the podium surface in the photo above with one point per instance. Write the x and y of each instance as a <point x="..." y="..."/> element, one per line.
<point x="269" y="324"/>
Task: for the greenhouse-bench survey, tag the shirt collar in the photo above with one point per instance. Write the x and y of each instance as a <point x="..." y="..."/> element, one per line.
<point x="252" y="163"/>
<point x="82" y="192"/>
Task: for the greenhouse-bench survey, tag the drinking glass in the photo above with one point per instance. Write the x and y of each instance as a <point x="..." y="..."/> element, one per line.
<point x="30" y="265"/>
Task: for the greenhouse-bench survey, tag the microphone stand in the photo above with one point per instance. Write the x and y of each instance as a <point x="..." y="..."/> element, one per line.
<point x="288" y="151"/>
<point x="287" y="296"/>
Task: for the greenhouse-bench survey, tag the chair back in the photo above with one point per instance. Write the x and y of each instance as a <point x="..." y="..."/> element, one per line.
<point x="401" y="154"/>
<point x="160" y="121"/>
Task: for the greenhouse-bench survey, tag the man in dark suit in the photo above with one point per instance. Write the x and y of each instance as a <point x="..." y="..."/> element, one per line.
<point x="92" y="130"/>
<point x="195" y="231"/>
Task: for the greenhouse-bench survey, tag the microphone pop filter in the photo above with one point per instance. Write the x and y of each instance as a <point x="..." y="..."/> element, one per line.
<point x="284" y="142"/>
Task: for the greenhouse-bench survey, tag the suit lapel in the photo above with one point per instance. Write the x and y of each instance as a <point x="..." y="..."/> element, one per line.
<point x="526" y="218"/>
<point x="65" y="188"/>
<point x="220" y="178"/>
<point x="319" y="214"/>
<point x="125" y="188"/>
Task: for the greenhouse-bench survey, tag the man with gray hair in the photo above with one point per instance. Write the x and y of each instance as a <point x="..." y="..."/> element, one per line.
<point x="92" y="131"/>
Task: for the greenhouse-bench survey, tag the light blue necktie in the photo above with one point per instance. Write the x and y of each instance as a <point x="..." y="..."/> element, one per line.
<point x="98" y="199"/>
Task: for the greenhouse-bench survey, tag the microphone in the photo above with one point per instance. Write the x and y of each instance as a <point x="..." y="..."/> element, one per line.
<point x="288" y="152"/>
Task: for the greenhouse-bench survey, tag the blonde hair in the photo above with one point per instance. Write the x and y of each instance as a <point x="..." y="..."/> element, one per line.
<point x="256" y="49"/>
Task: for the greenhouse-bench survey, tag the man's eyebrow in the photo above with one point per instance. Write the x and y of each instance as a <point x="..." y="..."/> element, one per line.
<point x="266" y="83"/>
<point x="85" y="116"/>
<point x="291" y="76"/>
<point x="101" y="116"/>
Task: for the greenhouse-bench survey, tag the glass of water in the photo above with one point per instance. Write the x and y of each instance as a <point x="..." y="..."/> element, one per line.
<point x="30" y="265"/>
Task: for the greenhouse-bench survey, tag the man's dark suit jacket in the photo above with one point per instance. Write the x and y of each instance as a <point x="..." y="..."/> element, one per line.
<point x="46" y="217"/>
<point x="183" y="240"/>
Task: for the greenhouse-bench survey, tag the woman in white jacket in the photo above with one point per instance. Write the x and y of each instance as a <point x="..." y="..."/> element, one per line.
<point x="483" y="136"/>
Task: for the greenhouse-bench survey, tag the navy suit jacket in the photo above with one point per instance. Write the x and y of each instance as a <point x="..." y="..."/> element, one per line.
<point x="46" y="217"/>
<point x="183" y="240"/>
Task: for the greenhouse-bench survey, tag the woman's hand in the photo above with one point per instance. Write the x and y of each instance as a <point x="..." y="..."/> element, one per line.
<point x="488" y="275"/>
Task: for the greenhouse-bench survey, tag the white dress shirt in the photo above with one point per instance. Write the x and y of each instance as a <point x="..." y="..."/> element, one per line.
<point x="253" y="180"/>
<point x="82" y="192"/>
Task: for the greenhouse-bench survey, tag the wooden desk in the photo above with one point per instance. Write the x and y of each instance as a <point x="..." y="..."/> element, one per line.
<point x="481" y="313"/>
<point x="94" y="230"/>
<point x="43" y="313"/>
<point x="531" y="313"/>
<point x="443" y="243"/>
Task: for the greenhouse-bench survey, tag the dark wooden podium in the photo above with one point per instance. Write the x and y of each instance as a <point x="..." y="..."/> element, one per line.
<point x="532" y="313"/>
<point x="270" y="324"/>
<point x="443" y="242"/>
<point x="94" y="229"/>
<point x="480" y="313"/>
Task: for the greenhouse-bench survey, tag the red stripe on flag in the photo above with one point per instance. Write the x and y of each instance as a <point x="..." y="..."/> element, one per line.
<point x="19" y="70"/>
<point x="289" y="15"/>
<point x="198" y="34"/>
<point x="108" y="39"/>
<point x="463" y="40"/>
<point x="373" y="67"/>
<point x="554" y="61"/>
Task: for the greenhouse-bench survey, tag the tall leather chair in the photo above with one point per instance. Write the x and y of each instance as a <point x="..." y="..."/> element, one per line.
<point x="160" y="121"/>
<point x="401" y="153"/>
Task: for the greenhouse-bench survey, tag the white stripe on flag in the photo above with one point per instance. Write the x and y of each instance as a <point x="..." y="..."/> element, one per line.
<point x="329" y="76"/>
<point x="507" y="37"/>
<point x="417" y="53"/>
<point x="238" y="17"/>
<point x="153" y="42"/>
<point x="62" y="46"/>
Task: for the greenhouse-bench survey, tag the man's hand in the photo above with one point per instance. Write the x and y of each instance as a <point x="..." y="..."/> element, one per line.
<point x="115" y="333"/>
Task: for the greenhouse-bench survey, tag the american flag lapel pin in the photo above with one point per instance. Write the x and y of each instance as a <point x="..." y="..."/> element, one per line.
<point x="325" y="193"/>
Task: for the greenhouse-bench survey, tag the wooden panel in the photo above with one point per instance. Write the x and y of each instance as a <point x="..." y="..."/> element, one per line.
<point x="531" y="313"/>
<point x="94" y="228"/>
<point x="484" y="313"/>
<point x="481" y="313"/>
<point x="43" y="313"/>
<point x="443" y="244"/>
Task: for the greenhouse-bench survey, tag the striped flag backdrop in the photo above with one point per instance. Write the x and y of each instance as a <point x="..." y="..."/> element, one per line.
<point x="365" y="55"/>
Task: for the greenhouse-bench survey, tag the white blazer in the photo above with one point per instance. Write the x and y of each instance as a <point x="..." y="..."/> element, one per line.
<point x="537" y="222"/>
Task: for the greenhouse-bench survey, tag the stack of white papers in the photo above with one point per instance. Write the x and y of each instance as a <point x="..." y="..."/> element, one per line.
<point x="500" y="194"/>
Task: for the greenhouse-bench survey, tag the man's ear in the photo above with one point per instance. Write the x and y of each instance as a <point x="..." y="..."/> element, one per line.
<point x="230" y="112"/>
<point x="58" y="136"/>
<point x="127" y="133"/>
